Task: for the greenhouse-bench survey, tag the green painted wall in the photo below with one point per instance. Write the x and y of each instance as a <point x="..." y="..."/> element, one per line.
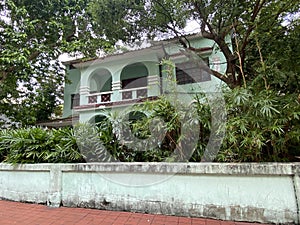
<point x="254" y="192"/>
<point x="71" y="87"/>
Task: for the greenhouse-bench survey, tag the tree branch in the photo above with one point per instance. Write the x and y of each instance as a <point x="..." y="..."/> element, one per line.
<point x="204" y="20"/>
<point x="257" y="8"/>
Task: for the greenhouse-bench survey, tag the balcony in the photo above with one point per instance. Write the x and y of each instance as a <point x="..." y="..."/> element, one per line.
<point x="134" y="84"/>
<point x="120" y="97"/>
<point x="101" y="97"/>
<point x="125" y="94"/>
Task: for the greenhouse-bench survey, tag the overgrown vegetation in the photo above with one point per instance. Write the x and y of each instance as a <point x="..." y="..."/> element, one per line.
<point x="37" y="145"/>
<point x="262" y="126"/>
<point x="259" y="39"/>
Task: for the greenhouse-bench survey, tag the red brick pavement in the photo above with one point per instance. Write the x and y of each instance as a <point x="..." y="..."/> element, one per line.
<point x="33" y="214"/>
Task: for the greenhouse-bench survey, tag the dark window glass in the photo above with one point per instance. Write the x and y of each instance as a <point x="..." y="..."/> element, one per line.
<point x="75" y="99"/>
<point x="190" y="72"/>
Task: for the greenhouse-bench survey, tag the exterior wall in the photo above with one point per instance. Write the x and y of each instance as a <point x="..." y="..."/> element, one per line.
<point x="24" y="185"/>
<point x="117" y="66"/>
<point x="71" y="87"/>
<point x="89" y="115"/>
<point x="217" y="62"/>
<point x="266" y="193"/>
<point x="216" y="57"/>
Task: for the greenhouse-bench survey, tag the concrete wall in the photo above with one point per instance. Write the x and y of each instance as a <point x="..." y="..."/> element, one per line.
<point x="242" y="192"/>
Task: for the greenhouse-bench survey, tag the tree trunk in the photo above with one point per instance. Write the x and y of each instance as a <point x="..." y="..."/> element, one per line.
<point x="231" y="71"/>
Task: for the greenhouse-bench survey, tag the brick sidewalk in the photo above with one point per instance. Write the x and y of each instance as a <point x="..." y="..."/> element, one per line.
<point x="33" y="214"/>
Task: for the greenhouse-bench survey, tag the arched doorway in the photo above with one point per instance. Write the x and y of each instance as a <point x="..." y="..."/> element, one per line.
<point x="134" y="81"/>
<point x="97" y="119"/>
<point x="100" y="85"/>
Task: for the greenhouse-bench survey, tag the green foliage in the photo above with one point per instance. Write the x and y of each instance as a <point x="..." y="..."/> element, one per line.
<point x="115" y="18"/>
<point x="162" y="109"/>
<point x="37" y="145"/>
<point x="233" y="25"/>
<point x="113" y="132"/>
<point x="204" y="117"/>
<point x="96" y="145"/>
<point x="64" y="147"/>
<point x="261" y="126"/>
<point x="33" y="35"/>
<point x="263" y="116"/>
<point x="279" y="50"/>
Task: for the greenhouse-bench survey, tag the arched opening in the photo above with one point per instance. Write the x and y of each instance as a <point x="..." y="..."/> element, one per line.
<point x="98" y="119"/>
<point x="138" y="124"/>
<point x="100" y="82"/>
<point x="134" y="76"/>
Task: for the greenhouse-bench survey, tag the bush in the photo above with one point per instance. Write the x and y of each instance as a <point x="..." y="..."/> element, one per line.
<point x="64" y="147"/>
<point x="261" y="126"/>
<point x="37" y="145"/>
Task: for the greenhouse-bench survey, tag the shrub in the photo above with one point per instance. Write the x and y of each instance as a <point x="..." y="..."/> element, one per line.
<point x="64" y="148"/>
<point x="261" y="126"/>
<point x="37" y="145"/>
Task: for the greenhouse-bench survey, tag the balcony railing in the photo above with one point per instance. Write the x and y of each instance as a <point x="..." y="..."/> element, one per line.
<point x="99" y="97"/>
<point x="126" y="94"/>
<point x="134" y="93"/>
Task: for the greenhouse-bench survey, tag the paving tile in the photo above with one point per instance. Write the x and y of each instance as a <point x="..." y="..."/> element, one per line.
<point x="36" y="214"/>
<point x="227" y="223"/>
<point x="243" y="223"/>
<point x="185" y="220"/>
<point x="213" y="222"/>
<point x="198" y="221"/>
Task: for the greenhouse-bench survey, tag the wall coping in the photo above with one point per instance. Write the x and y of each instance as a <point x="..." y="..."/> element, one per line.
<point x="275" y="169"/>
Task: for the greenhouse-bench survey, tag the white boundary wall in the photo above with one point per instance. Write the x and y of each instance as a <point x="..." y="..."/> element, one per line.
<point x="267" y="192"/>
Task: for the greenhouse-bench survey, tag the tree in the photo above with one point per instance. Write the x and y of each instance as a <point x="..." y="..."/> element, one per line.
<point x="277" y="52"/>
<point x="240" y="20"/>
<point x="262" y="64"/>
<point x="33" y="35"/>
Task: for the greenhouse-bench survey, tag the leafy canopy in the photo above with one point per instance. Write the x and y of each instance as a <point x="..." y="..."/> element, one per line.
<point x="33" y="35"/>
<point x="247" y="23"/>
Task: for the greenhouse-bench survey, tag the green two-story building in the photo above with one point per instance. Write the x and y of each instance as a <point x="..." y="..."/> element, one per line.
<point x="119" y="80"/>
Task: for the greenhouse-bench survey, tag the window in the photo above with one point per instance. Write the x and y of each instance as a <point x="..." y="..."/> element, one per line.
<point x="189" y="72"/>
<point x="75" y="100"/>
